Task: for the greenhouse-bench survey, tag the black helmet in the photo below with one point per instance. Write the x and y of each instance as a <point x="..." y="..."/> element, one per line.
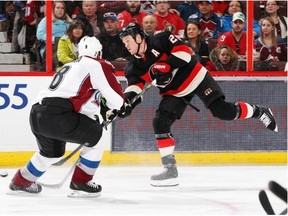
<point x="132" y="29"/>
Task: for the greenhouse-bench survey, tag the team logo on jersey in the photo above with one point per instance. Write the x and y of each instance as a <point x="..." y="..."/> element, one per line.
<point x="208" y="91"/>
<point x="169" y="26"/>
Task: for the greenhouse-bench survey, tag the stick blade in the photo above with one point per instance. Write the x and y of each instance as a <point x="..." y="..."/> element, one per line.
<point x="278" y="190"/>
<point x="51" y="186"/>
<point x="263" y="198"/>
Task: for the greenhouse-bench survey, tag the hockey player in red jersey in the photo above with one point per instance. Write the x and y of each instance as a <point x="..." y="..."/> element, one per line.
<point x="64" y="112"/>
<point x="165" y="60"/>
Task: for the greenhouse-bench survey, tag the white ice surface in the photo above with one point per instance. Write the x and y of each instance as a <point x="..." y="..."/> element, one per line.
<point x="203" y="190"/>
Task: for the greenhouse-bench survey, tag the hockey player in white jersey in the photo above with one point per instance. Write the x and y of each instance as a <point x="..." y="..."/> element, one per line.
<point x="62" y="113"/>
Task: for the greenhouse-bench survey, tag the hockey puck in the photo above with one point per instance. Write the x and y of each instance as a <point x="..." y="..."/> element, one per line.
<point x="3" y="174"/>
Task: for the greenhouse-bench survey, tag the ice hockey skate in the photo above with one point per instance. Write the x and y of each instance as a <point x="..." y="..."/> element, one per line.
<point x="20" y="185"/>
<point x="169" y="176"/>
<point x="85" y="190"/>
<point x="267" y="118"/>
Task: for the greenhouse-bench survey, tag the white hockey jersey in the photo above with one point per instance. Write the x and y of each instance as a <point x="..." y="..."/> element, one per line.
<point x="79" y="80"/>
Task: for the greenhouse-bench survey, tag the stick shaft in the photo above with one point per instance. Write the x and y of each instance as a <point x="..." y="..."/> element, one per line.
<point x="278" y="190"/>
<point x="104" y="124"/>
<point x="63" y="160"/>
<point x="266" y="203"/>
<point x="191" y="105"/>
<point x="61" y="183"/>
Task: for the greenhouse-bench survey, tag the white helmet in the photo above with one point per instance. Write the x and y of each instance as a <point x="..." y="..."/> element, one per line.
<point x="90" y="46"/>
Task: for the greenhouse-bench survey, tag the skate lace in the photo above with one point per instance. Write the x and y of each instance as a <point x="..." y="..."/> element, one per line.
<point x="92" y="184"/>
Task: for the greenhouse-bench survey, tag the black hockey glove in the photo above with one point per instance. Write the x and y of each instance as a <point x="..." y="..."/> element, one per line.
<point x="162" y="72"/>
<point x="107" y="113"/>
<point x="125" y="110"/>
<point x="127" y="107"/>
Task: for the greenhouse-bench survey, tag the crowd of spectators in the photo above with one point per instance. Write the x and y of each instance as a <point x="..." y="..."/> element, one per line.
<point x="67" y="45"/>
<point x="197" y="23"/>
<point x="193" y="38"/>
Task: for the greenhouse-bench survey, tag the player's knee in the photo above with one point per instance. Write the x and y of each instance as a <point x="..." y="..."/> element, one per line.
<point x="162" y="122"/>
<point x="223" y="110"/>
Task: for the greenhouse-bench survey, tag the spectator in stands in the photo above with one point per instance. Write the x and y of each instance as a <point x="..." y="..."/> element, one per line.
<point x="113" y="48"/>
<point x="60" y="24"/>
<point x="132" y="13"/>
<point x="149" y="24"/>
<point x="2" y="16"/>
<point x="67" y="49"/>
<point x="147" y="7"/>
<point x="73" y="8"/>
<point x="270" y="47"/>
<point x="193" y="38"/>
<point x="236" y="6"/>
<point x="210" y="23"/>
<point x="167" y="20"/>
<point x="90" y="18"/>
<point x="17" y="25"/>
<point x="10" y="9"/>
<point x="236" y="38"/>
<point x="2" y="10"/>
<point x="110" y="6"/>
<point x="272" y="10"/>
<point x="219" y="7"/>
<point x="34" y="13"/>
<point x="223" y="58"/>
<point x="186" y="9"/>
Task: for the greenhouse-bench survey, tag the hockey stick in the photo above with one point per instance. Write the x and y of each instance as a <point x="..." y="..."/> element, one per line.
<point x="191" y="105"/>
<point x="263" y="198"/>
<point x="63" y="160"/>
<point x="59" y="163"/>
<point x="60" y="184"/>
<point x="183" y="99"/>
<point x="278" y="190"/>
<point x="104" y="124"/>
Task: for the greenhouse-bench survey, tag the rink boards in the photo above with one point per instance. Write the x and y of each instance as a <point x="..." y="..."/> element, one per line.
<point x="200" y="139"/>
<point x="201" y="132"/>
<point x="16" y="159"/>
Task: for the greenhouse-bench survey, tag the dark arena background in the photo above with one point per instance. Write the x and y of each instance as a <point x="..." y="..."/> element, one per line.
<point x="201" y="132"/>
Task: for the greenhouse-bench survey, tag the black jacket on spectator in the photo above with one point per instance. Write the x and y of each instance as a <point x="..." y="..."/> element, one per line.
<point x="87" y="24"/>
<point x="113" y="47"/>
